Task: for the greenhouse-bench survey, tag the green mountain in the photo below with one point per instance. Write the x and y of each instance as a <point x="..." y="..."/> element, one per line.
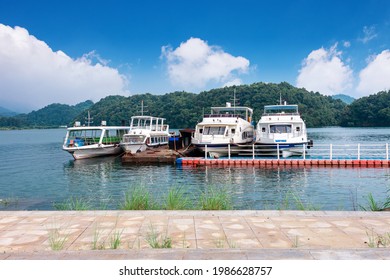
<point x="52" y="115"/>
<point x="6" y="113"/>
<point x="184" y="109"/>
<point x="345" y="98"/>
<point x="373" y="110"/>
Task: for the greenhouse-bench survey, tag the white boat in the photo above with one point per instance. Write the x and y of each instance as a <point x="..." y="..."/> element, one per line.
<point x="93" y="141"/>
<point x="224" y="130"/>
<point x="145" y="132"/>
<point x="282" y="129"/>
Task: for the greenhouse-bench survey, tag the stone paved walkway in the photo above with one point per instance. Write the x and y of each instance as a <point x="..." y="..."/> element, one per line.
<point x="195" y="234"/>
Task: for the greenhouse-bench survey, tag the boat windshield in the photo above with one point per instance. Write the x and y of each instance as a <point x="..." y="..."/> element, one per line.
<point x="83" y="137"/>
<point x="280" y="128"/>
<point x="133" y="139"/>
<point x="85" y="133"/>
<point x="214" y="130"/>
<point x="281" y="109"/>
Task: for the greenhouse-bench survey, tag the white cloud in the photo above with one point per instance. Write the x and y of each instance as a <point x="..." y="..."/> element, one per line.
<point x="32" y="75"/>
<point x="324" y="71"/>
<point x="195" y="63"/>
<point x="369" y="33"/>
<point x="376" y="75"/>
<point x="234" y="82"/>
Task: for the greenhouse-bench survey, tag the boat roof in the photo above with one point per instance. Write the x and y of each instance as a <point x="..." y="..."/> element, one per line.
<point x="280" y="109"/>
<point x="106" y="127"/>
<point x="226" y="109"/>
<point x="146" y="117"/>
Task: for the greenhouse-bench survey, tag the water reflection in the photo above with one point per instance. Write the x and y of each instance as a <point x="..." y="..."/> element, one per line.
<point x="40" y="174"/>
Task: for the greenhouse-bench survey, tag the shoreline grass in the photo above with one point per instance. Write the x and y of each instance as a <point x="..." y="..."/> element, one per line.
<point x="176" y="200"/>
<point x="215" y="199"/>
<point x="73" y="204"/>
<point x="137" y="198"/>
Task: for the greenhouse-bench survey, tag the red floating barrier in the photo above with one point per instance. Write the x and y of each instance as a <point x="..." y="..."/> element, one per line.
<point x="341" y="163"/>
<point x="328" y="162"/>
<point x="282" y="162"/>
<point x="285" y="162"/>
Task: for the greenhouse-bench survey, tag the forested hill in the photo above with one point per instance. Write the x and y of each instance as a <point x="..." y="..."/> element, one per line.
<point x="52" y="115"/>
<point x="373" y="110"/>
<point x="183" y="109"/>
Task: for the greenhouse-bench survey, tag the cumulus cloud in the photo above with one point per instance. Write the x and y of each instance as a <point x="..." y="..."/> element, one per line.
<point x="376" y="75"/>
<point x="32" y="75"/>
<point x="324" y="71"/>
<point x="195" y="63"/>
<point x="235" y="82"/>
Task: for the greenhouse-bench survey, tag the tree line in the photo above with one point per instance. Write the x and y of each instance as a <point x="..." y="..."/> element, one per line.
<point x="183" y="109"/>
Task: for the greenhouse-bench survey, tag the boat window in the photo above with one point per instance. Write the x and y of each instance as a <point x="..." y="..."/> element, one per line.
<point x="200" y="130"/>
<point x="280" y="128"/>
<point x="133" y="139"/>
<point x="298" y="128"/>
<point x="233" y="131"/>
<point x="214" y="130"/>
<point x="263" y="129"/>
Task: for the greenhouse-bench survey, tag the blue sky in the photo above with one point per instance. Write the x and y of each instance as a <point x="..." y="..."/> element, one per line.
<point x="70" y="51"/>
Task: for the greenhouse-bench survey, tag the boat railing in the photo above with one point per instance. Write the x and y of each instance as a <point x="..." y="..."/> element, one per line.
<point x="281" y="114"/>
<point x="87" y="141"/>
<point x="223" y="116"/>
<point x="351" y="151"/>
<point x="317" y="151"/>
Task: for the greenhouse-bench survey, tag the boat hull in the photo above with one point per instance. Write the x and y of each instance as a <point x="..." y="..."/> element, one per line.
<point x="284" y="149"/>
<point x="92" y="152"/>
<point x="220" y="150"/>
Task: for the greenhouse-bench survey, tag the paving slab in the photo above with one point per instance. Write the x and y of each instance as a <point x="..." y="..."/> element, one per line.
<point x="194" y="234"/>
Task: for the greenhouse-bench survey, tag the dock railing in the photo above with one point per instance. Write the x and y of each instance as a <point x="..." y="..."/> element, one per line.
<point x="318" y="151"/>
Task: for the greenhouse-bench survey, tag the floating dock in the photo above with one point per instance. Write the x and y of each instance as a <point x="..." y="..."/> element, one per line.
<point x="157" y="156"/>
<point x="194" y="162"/>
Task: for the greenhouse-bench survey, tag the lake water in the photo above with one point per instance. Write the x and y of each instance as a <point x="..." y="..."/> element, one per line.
<point x="35" y="174"/>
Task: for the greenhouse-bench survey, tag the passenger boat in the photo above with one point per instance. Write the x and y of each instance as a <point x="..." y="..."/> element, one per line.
<point x="223" y="130"/>
<point x="93" y="141"/>
<point x="281" y="129"/>
<point x="145" y="132"/>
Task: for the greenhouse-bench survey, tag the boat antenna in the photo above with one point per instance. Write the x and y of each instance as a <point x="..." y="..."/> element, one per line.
<point x="280" y="98"/>
<point x="235" y="100"/>
<point x="142" y="108"/>
<point x="88" y="119"/>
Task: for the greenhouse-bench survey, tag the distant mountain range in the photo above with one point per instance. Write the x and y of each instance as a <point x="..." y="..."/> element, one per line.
<point x="345" y="98"/>
<point x="6" y="113"/>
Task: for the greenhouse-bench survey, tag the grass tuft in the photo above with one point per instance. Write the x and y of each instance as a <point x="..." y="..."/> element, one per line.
<point x="176" y="200"/>
<point x="73" y="204"/>
<point x="374" y="205"/>
<point x="138" y="198"/>
<point x="157" y="241"/>
<point x="215" y="199"/>
<point x="56" y="240"/>
<point x="115" y="240"/>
